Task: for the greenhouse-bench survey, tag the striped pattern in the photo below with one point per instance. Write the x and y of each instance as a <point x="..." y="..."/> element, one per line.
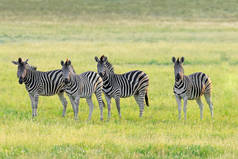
<point x="127" y="84"/>
<point x="191" y="87"/>
<point x="123" y="85"/>
<point x="44" y="83"/>
<point x="83" y="86"/>
<point x="39" y="83"/>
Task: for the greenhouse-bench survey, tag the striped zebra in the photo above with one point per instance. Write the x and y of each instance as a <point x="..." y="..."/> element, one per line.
<point x="40" y="83"/>
<point x="122" y="85"/>
<point x="82" y="86"/>
<point x="191" y="87"/>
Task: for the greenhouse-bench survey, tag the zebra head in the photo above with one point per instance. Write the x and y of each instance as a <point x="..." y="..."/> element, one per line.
<point x="101" y="65"/>
<point x="67" y="70"/>
<point x="178" y="68"/>
<point x="21" y="71"/>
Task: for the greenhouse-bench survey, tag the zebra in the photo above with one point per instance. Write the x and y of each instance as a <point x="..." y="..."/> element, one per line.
<point x="122" y="85"/>
<point x="191" y="87"/>
<point x="39" y="83"/>
<point x="82" y="86"/>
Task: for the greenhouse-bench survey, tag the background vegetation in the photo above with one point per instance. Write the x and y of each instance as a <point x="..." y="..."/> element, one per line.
<point x="133" y="34"/>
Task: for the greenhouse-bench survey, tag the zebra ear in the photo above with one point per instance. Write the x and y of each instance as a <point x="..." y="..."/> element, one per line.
<point x="19" y="60"/>
<point x="26" y="61"/>
<point x="104" y="59"/>
<point x="15" y="63"/>
<point x="96" y="59"/>
<point x="173" y="59"/>
<point x="62" y="63"/>
<point x="182" y="60"/>
<point x="69" y="62"/>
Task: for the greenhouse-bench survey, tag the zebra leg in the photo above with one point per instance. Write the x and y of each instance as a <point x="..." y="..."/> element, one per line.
<point x="90" y="104"/>
<point x="32" y="104"/>
<point x="199" y="102"/>
<point x="185" y="107"/>
<point x="100" y="102"/>
<point x="209" y="102"/>
<point x="178" y="99"/>
<point x="36" y="98"/>
<point x="63" y="101"/>
<point x="117" y="100"/>
<point x="108" y="99"/>
<point x="76" y="105"/>
<point x="73" y="106"/>
<point x="140" y="101"/>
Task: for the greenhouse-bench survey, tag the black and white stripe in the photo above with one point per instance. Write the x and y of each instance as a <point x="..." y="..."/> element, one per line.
<point x="123" y="85"/>
<point x="39" y="83"/>
<point x="82" y="86"/>
<point x="191" y="87"/>
<point x="44" y="83"/>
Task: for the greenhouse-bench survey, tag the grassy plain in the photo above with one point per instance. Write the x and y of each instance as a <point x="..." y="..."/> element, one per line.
<point x="140" y="36"/>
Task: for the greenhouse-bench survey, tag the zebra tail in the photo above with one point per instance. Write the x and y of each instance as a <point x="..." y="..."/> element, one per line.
<point x="146" y="99"/>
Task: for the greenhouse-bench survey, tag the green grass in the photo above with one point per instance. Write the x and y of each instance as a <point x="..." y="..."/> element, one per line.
<point x="133" y="35"/>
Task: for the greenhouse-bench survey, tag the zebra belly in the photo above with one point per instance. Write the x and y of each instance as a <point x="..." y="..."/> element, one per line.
<point x="45" y="92"/>
<point x="125" y="96"/>
<point x="80" y="93"/>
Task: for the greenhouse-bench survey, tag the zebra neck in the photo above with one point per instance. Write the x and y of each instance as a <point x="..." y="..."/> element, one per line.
<point x="28" y="79"/>
<point x="73" y="80"/>
<point x="109" y="67"/>
<point x="107" y="78"/>
<point x="179" y="84"/>
<point x="182" y="83"/>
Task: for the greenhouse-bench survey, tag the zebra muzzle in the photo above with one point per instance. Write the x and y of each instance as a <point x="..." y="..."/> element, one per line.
<point x="66" y="81"/>
<point x="177" y="77"/>
<point x="20" y="81"/>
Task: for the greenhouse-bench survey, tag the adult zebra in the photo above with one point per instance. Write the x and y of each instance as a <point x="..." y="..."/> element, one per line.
<point x="40" y="83"/>
<point x="122" y="85"/>
<point x="191" y="87"/>
<point x="82" y="86"/>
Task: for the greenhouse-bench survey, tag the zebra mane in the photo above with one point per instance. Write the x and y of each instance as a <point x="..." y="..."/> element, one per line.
<point x="71" y="66"/>
<point x="31" y="67"/>
<point x="109" y="67"/>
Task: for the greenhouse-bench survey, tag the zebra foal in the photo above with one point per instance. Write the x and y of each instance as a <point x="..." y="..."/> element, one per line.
<point x="82" y="86"/>
<point x="191" y="87"/>
<point x="39" y="83"/>
<point x="122" y="85"/>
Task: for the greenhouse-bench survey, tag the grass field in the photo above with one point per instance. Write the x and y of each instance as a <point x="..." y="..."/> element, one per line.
<point x="132" y="35"/>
